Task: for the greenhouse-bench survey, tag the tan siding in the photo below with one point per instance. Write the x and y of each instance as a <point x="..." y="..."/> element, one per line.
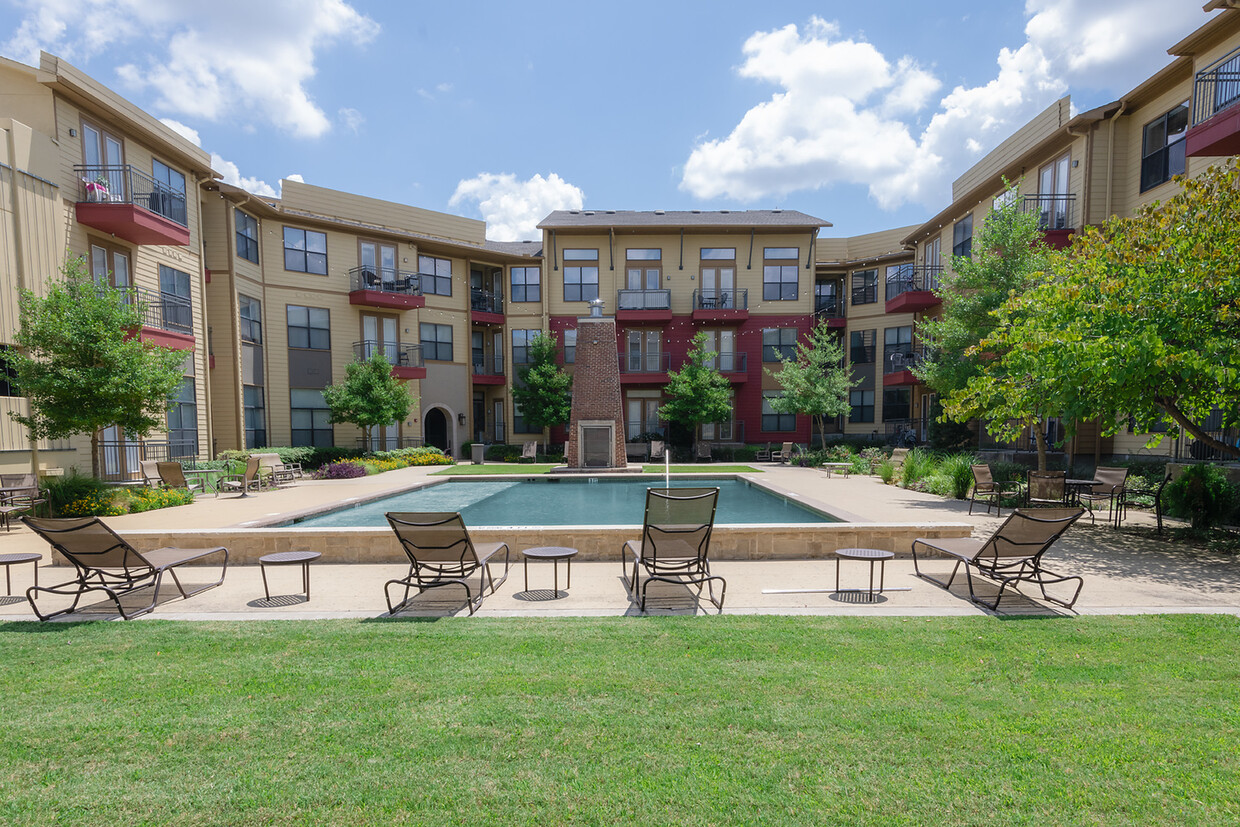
<point x="1010" y="151"/>
<point x="1130" y="172"/>
<point x="396" y="217"/>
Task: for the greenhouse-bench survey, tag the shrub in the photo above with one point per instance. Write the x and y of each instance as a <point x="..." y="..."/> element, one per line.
<point x="957" y="470"/>
<point x="149" y="499"/>
<point x="340" y="471"/>
<point x="887" y="470"/>
<point x="1202" y="495"/>
<point x="75" y="489"/>
<point x="100" y="504"/>
<point x="918" y="464"/>
<point x="503" y="453"/>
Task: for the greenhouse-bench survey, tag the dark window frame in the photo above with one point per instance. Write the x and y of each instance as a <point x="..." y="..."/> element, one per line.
<point x="858" y="406"/>
<point x="435" y="349"/>
<point x="773" y="422"/>
<point x="1161" y="163"/>
<point x="247" y="236"/>
<point x="303" y="259"/>
<point x="308" y="336"/>
<point x="320" y="434"/>
<point x="962" y="237"/>
<point x="864" y="285"/>
<point x="435" y="281"/>
<point x="784" y="341"/>
<point x="525" y="290"/>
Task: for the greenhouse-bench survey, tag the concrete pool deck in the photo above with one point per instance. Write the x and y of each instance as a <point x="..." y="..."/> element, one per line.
<point x="1124" y="573"/>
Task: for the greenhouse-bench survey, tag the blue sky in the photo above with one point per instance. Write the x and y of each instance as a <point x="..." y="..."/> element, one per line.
<point x="861" y="114"/>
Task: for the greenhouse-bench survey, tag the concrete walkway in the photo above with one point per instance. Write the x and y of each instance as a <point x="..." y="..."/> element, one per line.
<point x="1125" y="572"/>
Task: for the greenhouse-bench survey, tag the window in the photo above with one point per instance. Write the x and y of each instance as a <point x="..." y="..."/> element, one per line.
<point x="305" y="251"/>
<point x="435" y="275"/>
<point x="519" y="425"/>
<point x="526" y="286"/>
<point x="176" y="311"/>
<point x="580" y="280"/>
<point x="8" y="374"/>
<point x="309" y="327"/>
<point x="779" y="273"/>
<point x="718" y="268"/>
<point x="168" y="177"/>
<point x="183" y="421"/>
<point x="896" y="404"/>
<point x="865" y="287"/>
<point x="521" y="345"/>
<point x="251" y="314"/>
<point x="310" y="417"/>
<point x="255" y="416"/>
<point x="862" y="346"/>
<point x="718" y="254"/>
<point x="643" y="269"/>
<point x="862" y="406"/>
<point x="962" y="237"/>
<point x="777" y="342"/>
<point x="644" y="352"/>
<point x="897" y="348"/>
<point x="1162" y="147"/>
<point x="109" y="266"/>
<point x="436" y="341"/>
<point x="168" y="198"/>
<point x="772" y="421"/>
<point x="570" y="346"/>
<point x="247" y="236"/>
<point x="826" y="302"/>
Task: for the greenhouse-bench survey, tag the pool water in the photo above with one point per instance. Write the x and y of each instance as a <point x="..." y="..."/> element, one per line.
<point x="577" y="501"/>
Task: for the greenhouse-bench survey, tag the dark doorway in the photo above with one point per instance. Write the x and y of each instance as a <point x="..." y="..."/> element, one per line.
<point x="436" y="428"/>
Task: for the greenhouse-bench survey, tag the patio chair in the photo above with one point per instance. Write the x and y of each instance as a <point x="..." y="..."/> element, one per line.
<point x="1110" y="490"/>
<point x="441" y="553"/>
<point x="703" y="452"/>
<point x="658" y="449"/>
<point x="988" y="491"/>
<point x="1048" y="488"/>
<point x="674" y="545"/>
<point x="764" y="453"/>
<point x="529" y="451"/>
<point x="274" y="469"/>
<point x="1012" y="554"/>
<point x="784" y="454"/>
<point x="244" y="482"/>
<point x="105" y="562"/>
<point x="173" y="476"/>
<point x="20" y="490"/>
<point x="150" y="473"/>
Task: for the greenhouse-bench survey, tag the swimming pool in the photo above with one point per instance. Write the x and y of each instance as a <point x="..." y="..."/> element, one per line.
<point x="567" y="501"/>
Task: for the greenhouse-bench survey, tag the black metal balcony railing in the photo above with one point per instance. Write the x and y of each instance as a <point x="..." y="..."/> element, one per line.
<point x="490" y="365"/>
<point x="901" y="357"/>
<point x="909" y="277"/>
<point x="161" y="311"/>
<point x="1216" y="88"/>
<point x="397" y="355"/>
<point x="727" y="362"/>
<point x="828" y="307"/>
<point x="121" y="461"/>
<point x="385" y="280"/>
<point x="652" y="362"/>
<point x="644" y="299"/>
<point x="1055" y="211"/>
<point x="718" y="299"/>
<point x="486" y="301"/>
<point x="126" y="185"/>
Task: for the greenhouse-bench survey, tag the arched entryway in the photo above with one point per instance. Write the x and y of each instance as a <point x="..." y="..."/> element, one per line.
<point x="435" y="429"/>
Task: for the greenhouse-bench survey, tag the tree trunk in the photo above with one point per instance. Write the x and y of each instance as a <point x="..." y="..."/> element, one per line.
<point x="94" y="454"/>
<point x="1039" y="436"/>
<point x="1192" y="428"/>
<point x="365" y="438"/>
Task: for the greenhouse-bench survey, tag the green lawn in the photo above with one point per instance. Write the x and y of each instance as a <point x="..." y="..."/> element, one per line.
<point x="710" y="720"/>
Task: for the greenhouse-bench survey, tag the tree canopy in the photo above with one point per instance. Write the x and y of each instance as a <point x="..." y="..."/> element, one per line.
<point x="542" y="390"/>
<point x="697" y="393"/>
<point x="370" y="396"/>
<point x="82" y="367"/>
<point x="815" y="383"/>
<point x="1142" y="320"/>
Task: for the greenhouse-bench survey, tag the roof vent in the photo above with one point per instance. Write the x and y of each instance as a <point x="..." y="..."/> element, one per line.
<point x="659" y="212"/>
<point x="611" y="212"/>
<point x="725" y="212"/>
<point x="777" y="209"/>
<point x="573" y="212"/>
<point x="697" y="212"/>
<point x="588" y="212"/>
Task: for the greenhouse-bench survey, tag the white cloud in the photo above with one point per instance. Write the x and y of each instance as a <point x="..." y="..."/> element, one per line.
<point x="844" y="114"/>
<point x="512" y="208"/>
<point x="232" y="175"/>
<point x="295" y="177"/>
<point x="216" y="59"/>
<point x="188" y="133"/>
<point x="352" y="119"/>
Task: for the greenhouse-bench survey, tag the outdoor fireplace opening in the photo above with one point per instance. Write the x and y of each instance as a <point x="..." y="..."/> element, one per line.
<point x="596" y="446"/>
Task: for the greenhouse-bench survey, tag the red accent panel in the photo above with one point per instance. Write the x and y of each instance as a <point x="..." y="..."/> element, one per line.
<point x="643" y="378"/>
<point x="900" y="377"/>
<point x="408" y="372"/>
<point x="208" y="274"/>
<point x="721" y="315"/>
<point x="480" y="379"/>
<point x="912" y="301"/>
<point x="837" y="323"/>
<point x="377" y="298"/>
<point x="166" y="338"/>
<point x="644" y="315"/>
<point x="483" y="317"/>
<point x="1217" y="137"/>
<point x="211" y="361"/>
<point x="1058" y="239"/>
<point x="135" y="224"/>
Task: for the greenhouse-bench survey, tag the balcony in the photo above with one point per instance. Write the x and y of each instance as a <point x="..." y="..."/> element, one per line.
<point x="898" y="364"/>
<point x="1215" y="128"/>
<point x="167" y="320"/>
<point x="734" y="366"/>
<point x="712" y="305"/>
<point x="644" y="367"/>
<point x="488" y="369"/>
<point x="644" y="305"/>
<point x="406" y="360"/>
<point x="121" y="461"/>
<point x="1056" y="216"/>
<point x="829" y="310"/>
<point x="385" y="287"/>
<point x="486" y="306"/>
<point x="132" y="205"/>
<point x="910" y="288"/>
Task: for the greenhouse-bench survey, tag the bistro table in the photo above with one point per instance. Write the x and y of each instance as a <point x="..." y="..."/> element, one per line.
<point x="1075" y="487"/>
<point x="204" y="474"/>
<point x="870" y="555"/>
<point x="555" y="554"/>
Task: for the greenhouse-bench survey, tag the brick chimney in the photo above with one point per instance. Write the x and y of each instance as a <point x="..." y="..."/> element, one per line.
<point x="596" y="425"/>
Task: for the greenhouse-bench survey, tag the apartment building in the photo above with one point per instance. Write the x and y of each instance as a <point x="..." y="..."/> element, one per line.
<point x="86" y="174"/>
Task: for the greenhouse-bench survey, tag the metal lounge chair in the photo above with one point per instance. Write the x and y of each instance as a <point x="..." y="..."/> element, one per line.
<point x="1012" y="554"/>
<point x="173" y="476"/>
<point x="764" y="453"/>
<point x="986" y="490"/>
<point x="674" y="545"/>
<point x="658" y="449"/>
<point x="150" y="473"/>
<point x="784" y="454"/>
<point x="703" y="452"/>
<point x="273" y="469"/>
<point x="1109" y="490"/>
<point x="529" y="451"/>
<point x="106" y="563"/>
<point x="1048" y="488"/>
<point x="249" y="479"/>
<point x="441" y="553"/>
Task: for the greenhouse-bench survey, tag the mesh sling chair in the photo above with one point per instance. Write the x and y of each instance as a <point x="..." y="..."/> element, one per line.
<point x="1109" y="490"/>
<point x="173" y="476"/>
<point x="1012" y="554"/>
<point x="675" y="540"/>
<point x="986" y="490"/>
<point x="106" y="563"/>
<point x="442" y="554"/>
<point x="1047" y="488"/>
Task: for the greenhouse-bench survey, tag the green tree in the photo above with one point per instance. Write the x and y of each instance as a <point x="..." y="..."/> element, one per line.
<point x="1009" y="258"/>
<point x="369" y="396"/>
<point x="697" y="393"/>
<point x="82" y="368"/>
<point x="543" y="388"/>
<point x="815" y="383"/>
